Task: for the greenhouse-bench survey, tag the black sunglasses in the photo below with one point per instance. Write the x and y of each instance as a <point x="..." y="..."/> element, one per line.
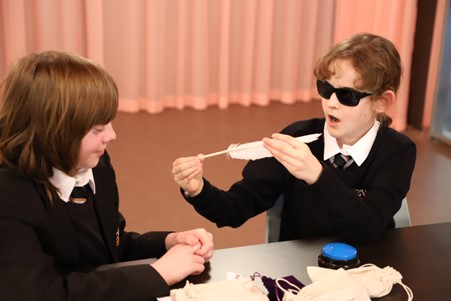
<point x="346" y="96"/>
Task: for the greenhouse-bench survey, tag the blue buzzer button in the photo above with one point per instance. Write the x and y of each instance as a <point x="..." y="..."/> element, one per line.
<point x="338" y="255"/>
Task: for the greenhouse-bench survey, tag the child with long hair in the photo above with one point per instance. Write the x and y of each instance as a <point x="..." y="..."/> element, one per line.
<point x="59" y="204"/>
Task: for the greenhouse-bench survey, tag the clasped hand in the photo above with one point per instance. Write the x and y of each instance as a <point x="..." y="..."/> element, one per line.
<point x="187" y="253"/>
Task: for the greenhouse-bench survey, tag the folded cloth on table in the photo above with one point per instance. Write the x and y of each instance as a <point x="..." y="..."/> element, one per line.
<point x="377" y="281"/>
<point x="337" y="286"/>
<point x="228" y="290"/>
<point x="362" y="283"/>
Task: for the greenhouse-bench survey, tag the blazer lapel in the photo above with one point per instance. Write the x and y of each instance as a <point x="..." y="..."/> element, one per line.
<point x="105" y="204"/>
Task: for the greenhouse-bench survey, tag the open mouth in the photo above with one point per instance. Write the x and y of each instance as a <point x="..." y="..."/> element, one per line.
<point x="333" y="119"/>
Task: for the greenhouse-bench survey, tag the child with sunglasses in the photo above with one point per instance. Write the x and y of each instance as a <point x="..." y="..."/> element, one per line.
<point x="354" y="201"/>
<point x="55" y="124"/>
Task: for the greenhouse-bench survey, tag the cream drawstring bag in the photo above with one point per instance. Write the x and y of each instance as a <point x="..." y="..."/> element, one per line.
<point x="337" y="286"/>
<point x="362" y="283"/>
<point x="228" y="290"/>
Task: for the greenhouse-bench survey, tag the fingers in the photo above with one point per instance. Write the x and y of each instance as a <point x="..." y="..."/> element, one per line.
<point x="196" y="260"/>
<point x="184" y="169"/>
<point x="295" y="156"/>
<point x="187" y="174"/>
<point x="282" y="137"/>
<point x="284" y="143"/>
<point x="286" y="149"/>
<point x="179" y="262"/>
<point x="198" y="237"/>
<point x="206" y="249"/>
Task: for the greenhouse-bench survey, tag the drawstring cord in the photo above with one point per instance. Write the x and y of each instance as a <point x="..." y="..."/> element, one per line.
<point x="389" y="276"/>
<point x="294" y="290"/>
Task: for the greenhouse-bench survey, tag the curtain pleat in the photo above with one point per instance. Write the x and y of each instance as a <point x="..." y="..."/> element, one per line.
<point x="394" y="20"/>
<point x="198" y="53"/>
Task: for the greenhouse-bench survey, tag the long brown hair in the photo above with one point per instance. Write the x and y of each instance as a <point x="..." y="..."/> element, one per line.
<point x="50" y="102"/>
<point x="375" y="59"/>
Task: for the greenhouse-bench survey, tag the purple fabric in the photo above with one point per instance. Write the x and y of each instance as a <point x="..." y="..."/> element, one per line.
<point x="274" y="292"/>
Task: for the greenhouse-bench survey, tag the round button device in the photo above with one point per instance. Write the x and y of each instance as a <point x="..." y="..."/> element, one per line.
<point x="338" y="255"/>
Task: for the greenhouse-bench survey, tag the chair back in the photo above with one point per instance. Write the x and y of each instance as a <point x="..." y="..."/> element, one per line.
<point x="273" y="219"/>
<point x="402" y="217"/>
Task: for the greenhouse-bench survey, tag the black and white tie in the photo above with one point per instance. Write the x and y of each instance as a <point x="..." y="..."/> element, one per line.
<point x="342" y="161"/>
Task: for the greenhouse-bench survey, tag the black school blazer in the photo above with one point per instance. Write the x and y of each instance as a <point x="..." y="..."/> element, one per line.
<point x="38" y="247"/>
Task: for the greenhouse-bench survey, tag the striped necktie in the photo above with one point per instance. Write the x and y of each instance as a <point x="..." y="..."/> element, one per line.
<point x="342" y="161"/>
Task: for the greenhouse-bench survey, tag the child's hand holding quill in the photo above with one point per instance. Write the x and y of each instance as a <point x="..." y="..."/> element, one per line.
<point x="188" y="171"/>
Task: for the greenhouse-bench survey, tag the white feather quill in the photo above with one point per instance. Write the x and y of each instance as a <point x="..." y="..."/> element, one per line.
<point x="254" y="150"/>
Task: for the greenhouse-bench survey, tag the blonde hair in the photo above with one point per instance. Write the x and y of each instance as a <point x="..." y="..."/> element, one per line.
<point x="375" y="59"/>
<point x="50" y="102"/>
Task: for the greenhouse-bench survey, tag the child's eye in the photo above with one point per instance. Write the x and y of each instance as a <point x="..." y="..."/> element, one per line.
<point x="98" y="129"/>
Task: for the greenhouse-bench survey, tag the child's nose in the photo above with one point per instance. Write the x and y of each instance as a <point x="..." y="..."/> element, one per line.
<point x="333" y="100"/>
<point x="111" y="134"/>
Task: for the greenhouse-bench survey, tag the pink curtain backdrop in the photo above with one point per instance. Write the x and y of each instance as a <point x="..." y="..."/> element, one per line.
<point x="197" y="53"/>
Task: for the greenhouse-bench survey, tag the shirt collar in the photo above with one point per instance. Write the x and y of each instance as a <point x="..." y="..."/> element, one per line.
<point x="358" y="151"/>
<point x="66" y="184"/>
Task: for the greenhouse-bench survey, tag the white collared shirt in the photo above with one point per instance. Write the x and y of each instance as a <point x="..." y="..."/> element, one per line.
<point x="66" y="183"/>
<point x="358" y="151"/>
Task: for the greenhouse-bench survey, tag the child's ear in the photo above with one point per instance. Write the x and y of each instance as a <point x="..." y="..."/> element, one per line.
<point x="385" y="101"/>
